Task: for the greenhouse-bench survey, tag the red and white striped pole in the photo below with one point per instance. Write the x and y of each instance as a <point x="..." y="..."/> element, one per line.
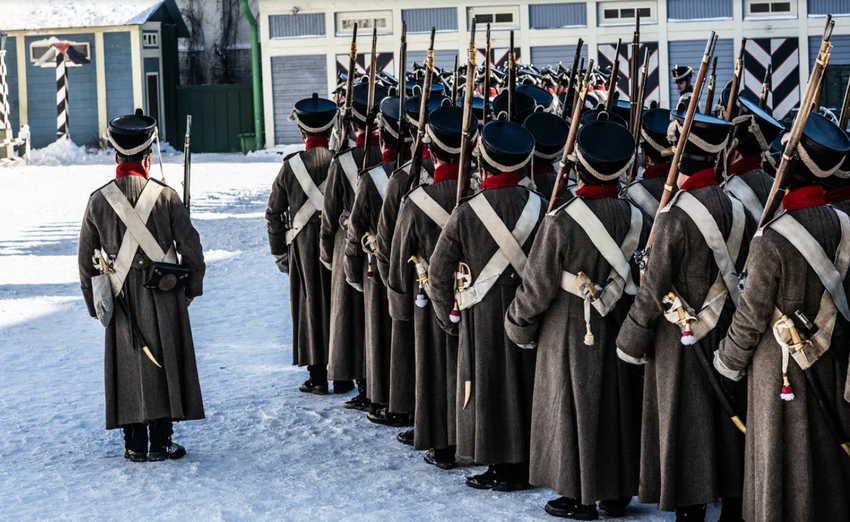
<point x="62" y="130"/>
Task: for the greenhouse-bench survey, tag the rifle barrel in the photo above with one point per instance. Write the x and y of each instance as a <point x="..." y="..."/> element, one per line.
<point x="370" y="106"/>
<point x="402" y="98"/>
<point x="736" y="82"/>
<point x="511" y="81"/>
<point x="465" y="142"/>
<point x="571" y="81"/>
<point x="487" y="67"/>
<point x="615" y="72"/>
<point x="712" y="82"/>
<point x="187" y="163"/>
<point x="416" y="162"/>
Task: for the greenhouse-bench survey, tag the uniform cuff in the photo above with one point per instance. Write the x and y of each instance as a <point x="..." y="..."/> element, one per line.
<point x="628" y="358"/>
<point x="401" y="305"/>
<point x="634" y="339"/>
<point x="357" y="286"/>
<point x="724" y="370"/>
<point x="89" y="299"/>
<point x="195" y="286"/>
<point x="522" y="336"/>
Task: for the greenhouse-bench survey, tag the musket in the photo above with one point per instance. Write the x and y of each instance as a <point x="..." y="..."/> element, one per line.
<point x="370" y="105"/>
<point x="572" y="78"/>
<point x="402" y="98"/>
<point x="487" y="66"/>
<point x="566" y="163"/>
<point x="633" y="78"/>
<point x="641" y="100"/>
<point x="187" y="163"/>
<point x="731" y="105"/>
<point x="345" y="128"/>
<point x="615" y="73"/>
<point x="419" y="144"/>
<point x="511" y="81"/>
<point x="789" y="153"/>
<point x="845" y="109"/>
<point x="693" y="108"/>
<point x="455" y="78"/>
<point x="712" y="82"/>
<point x="765" y="88"/>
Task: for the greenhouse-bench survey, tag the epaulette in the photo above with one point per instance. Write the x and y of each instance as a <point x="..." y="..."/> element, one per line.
<point x="341" y="152"/>
<point x="101" y="188"/>
<point x="286" y="158"/>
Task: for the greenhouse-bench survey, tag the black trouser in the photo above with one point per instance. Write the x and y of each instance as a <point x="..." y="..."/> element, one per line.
<point x="136" y="435"/>
<point x="318" y="373"/>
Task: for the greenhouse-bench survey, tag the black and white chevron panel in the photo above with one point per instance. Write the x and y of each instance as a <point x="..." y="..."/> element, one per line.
<point x="499" y="57"/>
<point x="385" y="63"/>
<point x="783" y="56"/>
<point x="61" y="98"/>
<point x="606" y="59"/>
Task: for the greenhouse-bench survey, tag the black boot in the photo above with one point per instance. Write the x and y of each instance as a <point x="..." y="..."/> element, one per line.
<point x="359" y="402"/>
<point x="690" y="513"/>
<point x="442" y="458"/>
<point x="383" y="416"/>
<point x="501" y="477"/>
<point x="405" y="437"/>
<point x="341" y="387"/>
<point x="317" y="384"/>
<point x="732" y="510"/>
<point x="615" y="508"/>
<point x="136" y="442"/>
<point x="162" y="448"/>
<point x="568" y="508"/>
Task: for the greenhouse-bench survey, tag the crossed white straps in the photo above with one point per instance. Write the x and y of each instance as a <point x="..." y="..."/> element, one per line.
<point x="315" y="195"/>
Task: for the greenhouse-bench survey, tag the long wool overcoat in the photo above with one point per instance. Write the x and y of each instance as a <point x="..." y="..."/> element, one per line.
<point x="402" y="358"/>
<point x="844" y="206"/>
<point x="494" y="427"/>
<point x="365" y="213"/>
<point x="416" y="234"/>
<point x="795" y="470"/>
<point x="137" y="391"/>
<point x="691" y="453"/>
<point x="346" y="358"/>
<point x="309" y="280"/>
<point x="585" y="425"/>
<point x="760" y="182"/>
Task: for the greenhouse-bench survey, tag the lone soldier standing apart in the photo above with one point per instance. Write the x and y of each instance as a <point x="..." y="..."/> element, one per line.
<point x="294" y="221"/>
<point x="495" y="229"/>
<point x="132" y="231"/>
<point x="346" y="344"/>
<point x="691" y="452"/>
<point x="585" y="427"/>
<point x="682" y="77"/>
<point x="793" y="309"/>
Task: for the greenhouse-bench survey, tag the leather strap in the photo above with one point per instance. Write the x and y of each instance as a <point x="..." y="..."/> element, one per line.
<point x="739" y="188"/>
<point x="429" y="207"/>
<point x="314" y="194"/>
<point x="349" y="167"/>
<point x="380" y="179"/>
<point x="642" y="197"/>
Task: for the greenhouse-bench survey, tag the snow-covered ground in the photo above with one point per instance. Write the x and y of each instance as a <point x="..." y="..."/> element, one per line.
<point x="265" y="450"/>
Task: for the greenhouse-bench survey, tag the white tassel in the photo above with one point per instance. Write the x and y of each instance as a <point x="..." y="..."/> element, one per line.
<point x="588" y="336"/>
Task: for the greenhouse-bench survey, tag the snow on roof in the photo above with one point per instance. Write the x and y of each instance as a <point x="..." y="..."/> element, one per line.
<point x="28" y="15"/>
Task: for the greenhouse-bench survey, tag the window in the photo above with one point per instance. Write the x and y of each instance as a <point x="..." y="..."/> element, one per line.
<point x="766" y="9"/>
<point x="150" y="39"/>
<point x="37" y="49"/>
<point x="297" y="26"/>
<point x="499" y="17"/>
<point x="366" y="21"/>
<point x="624" y="13"/>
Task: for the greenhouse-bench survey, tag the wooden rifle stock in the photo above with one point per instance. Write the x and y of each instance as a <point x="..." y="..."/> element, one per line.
<point x="487" y="66"/>
<point x="633" y="75"/>
<point x="731" y="105"/>
<point x="789" y="153"/>
<point x="402" y="99"/>
<point x="765" y="88"/>
<point x="693" y="108"/>
<point x="615" y="73"/>
<point x="465" y="172"/>
<point x="419" y="144"/>
<point x="572" y="79"/>
<point x="511" y="81"/>
<point x="641" y="100"/>
<point x="349" y="91"/>
<point x="575" y="122"/>
<point x="370" y="106"/>
<point x="712" y="83"/>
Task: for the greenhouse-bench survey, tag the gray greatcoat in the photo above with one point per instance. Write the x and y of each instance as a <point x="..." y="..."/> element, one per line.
<point x="435" y="350"/>
<point x="309" y="280"/>
<point x="494" y="427"/>
<point x="795" y="470"/>
<point x="761" y="182"/>
<point x="691" y="452"/>
<point x="844" y="206"/>
<point x="346" y="359"/>
<point x="365" y="213"/>
<point x="544" y="179"/>
<point x="585" y="424"/>
<point x="403" y="357"/>
<point x="136" y="390"/>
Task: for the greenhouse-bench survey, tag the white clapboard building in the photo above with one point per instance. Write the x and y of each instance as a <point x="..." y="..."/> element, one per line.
<point x="305" y="43"/>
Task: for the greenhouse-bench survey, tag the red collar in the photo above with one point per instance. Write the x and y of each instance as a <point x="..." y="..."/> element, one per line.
<point x="543" y="167"/>
<point x="314" y="142"/>
<point x="704" y="178"/>
<point x="598" y="191"/>
<point x="511" y="179"/>
<point x="657" y="171"/>
<point x="806" y="197"/>
<point x="130" y="169"/>
<point x="838" y="195"/>
<point x="446" y="171"/>
<point x="361" y="140"/>
<point x="389" y="155"/>
<point x="744" y="165"/>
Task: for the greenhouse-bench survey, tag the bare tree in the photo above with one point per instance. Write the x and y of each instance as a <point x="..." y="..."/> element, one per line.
<point x="229" y="14"/>
<point x="192" y="66"/>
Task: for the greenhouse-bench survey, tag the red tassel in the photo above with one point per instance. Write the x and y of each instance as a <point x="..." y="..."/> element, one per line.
<point x="787" y="391"/>
<point x="455" y="315"/>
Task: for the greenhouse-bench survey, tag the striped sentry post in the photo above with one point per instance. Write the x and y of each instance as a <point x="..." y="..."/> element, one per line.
<point x="5" y="127"/>
<point x="62" y="131"/>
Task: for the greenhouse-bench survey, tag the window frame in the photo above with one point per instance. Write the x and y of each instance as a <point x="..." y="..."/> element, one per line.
<point x="359" y="16"/>
<point x="75" y="45"/>
<point x="771" y="14"/>
<point x="602" y="21"/>
<point x="150" y="34"/>
<point x="495" y="10"/>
